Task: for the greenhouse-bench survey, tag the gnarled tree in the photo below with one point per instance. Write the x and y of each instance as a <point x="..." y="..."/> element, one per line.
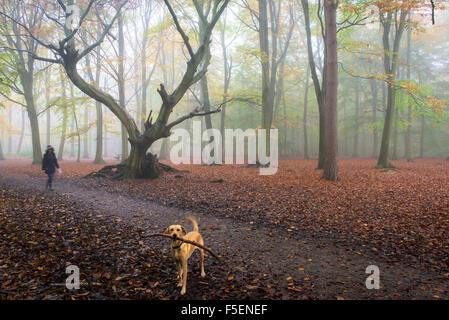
<point x="138" y="164"/>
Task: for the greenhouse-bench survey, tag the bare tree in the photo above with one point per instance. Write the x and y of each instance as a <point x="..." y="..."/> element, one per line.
<point x="138" y="164"/>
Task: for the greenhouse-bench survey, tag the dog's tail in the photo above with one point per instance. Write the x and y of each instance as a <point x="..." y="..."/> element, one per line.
<point x="194" y="223"/>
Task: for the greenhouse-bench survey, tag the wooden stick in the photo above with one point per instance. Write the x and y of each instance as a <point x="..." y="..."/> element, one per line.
<point x="186" y="241"/>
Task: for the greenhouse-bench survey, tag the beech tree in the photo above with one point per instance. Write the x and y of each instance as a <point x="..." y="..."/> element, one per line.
<point x="66" y="53"/>
<point x="393" y="18"/>
<point x="331" y="147"/>
<point x="23" y="49"/>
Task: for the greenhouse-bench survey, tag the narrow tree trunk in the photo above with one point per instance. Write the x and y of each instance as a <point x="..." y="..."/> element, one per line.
<point x="99" y="143"/>
<point x="86" y="134"/>
<point x="10" y="130"/>
<point x="355" y="150"/>
<point x="163" y="155"/>
<point x="121" y="83"/>
<point x="390" y="66"/>
<point x="330" y="162"/>
<point x="304" y="121"/>
<point x="2" y="156"/>
<point x="408" y="133"/>
<point x="78" y="154"/>
<point x="72" y="139"/>
<point x="105" y="139"/>
<point x="394" y="155"/>
<point x="205" y="101"/>
<point x="267" y="94"/>
<point x="374" y="92"/>
<point x="227" y="68"/>
<point x="48" y="113"/>
<point x="320" y="88"/>
<point x="98" y="108"/>
<point x="345" y="138"/>
<point x="63" y="133"/>
<point x="22" y="132"/>
<point x="204" y="93"/>
<point x="421" y="140"/>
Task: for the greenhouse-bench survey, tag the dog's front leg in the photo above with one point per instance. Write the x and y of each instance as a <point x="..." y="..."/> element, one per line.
<point x="184" y="276"/>
<point x="179" y="270"/>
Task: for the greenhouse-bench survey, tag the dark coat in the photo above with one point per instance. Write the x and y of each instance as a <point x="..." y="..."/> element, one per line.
<point x="49" y="163"/>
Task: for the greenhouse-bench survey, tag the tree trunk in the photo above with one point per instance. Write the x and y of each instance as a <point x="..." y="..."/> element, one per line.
<point x="320" y="88"/>
<point x="394" y="155"/>
<point x="63" y="133"/>
<point x="421" y="140"/>
<point x="2" y="156"/>
<point x="227" y="68"/>
<point x="121" y="82"/>
<point x="64" y="122"/>
<point x="86" y="134"/>
<point x="390" y="66"/>
<point x="72" y="139"/>
<point x="99" y="144"/>
<point x="78" y="154"/>
<point x="205" y="101"/>
<point x="144" y="86"/>
<point x="27" y="84"/>
<point x="204" y="90"/>
<point x="105" y="139"/>
<point x="10" y="130"/>
<point x="304" y="121"/>
<point x="355" y="150"/>
<point x="98" y="108"/>
<point x="267" y="94"/>
<point x="25" y="68"/>
<point x="408" y="133"/>
<point x="48" y="113"/>
<point x="22" y="132"/>
<point x="374" y="92"/>
<point x="165" y="152"/>
<point x="330" y="162"/>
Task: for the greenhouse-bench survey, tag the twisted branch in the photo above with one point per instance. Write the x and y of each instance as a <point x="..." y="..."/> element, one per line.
<point x="174" y="237"/>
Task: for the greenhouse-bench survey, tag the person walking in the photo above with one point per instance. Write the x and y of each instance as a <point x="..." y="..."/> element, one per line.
<point x="49" y="165"/>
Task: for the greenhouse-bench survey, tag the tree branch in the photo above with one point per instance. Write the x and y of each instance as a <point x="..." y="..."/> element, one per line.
<point x="186" y="241"/>
<point x="103" y="35"/>
<point x="195" y="113"/>
<point x="185" y="38"/>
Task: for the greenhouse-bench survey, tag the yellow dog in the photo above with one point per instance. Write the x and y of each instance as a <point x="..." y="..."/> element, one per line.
<point x="181" y="252"/>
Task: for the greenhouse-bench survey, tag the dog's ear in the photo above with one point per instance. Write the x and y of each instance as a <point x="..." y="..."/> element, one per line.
<point x="183" y="230"/>
<point x="166" y="231"/>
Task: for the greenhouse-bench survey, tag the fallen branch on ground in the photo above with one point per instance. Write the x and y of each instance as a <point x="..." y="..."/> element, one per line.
<point x="186" y="241"/>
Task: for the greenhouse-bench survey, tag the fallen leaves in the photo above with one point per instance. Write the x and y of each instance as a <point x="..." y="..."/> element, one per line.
<point x="39" y="237"/>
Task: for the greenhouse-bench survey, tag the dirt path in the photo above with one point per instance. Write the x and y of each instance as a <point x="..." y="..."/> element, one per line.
<point x="300" y="264"/>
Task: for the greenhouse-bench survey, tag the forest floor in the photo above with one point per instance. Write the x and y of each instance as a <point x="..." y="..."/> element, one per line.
<point x="287" y="236"/>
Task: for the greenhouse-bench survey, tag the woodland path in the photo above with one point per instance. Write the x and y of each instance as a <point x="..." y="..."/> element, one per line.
<point x="294" y="264"/>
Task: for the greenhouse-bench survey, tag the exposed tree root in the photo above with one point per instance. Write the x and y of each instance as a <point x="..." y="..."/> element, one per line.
<point x="167" y="168"/>
<point x="151" y="169"/>
<point x="258" y="165"/>
<point x="388" y="167"/>
<point x="107" y="171"/>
